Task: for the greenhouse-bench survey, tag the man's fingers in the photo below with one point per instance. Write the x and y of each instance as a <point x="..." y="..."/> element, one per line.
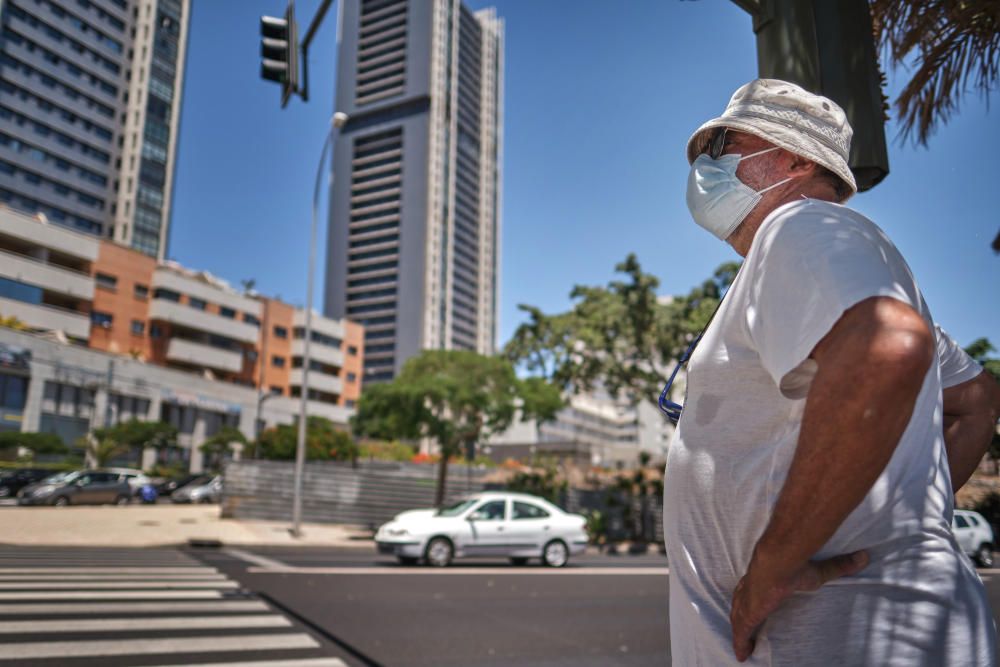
<point x="742" y="641"/>
<point x="840" y="566"/>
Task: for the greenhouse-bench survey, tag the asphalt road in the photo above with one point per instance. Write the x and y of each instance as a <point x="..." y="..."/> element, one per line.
<point x="598" y="611"/>
<point x="297" y="607"/>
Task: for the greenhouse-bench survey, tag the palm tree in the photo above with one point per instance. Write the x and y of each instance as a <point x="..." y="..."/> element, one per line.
<point x="950" y="43"/>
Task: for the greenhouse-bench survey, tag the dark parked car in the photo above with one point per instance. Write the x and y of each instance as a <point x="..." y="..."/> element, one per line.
<point x="81" y="487"/>
<point x="12" y="481"/>
<point x="166" y="487"/>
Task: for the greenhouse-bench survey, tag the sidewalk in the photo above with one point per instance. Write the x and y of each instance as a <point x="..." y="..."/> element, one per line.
<point x="160" y="525"/>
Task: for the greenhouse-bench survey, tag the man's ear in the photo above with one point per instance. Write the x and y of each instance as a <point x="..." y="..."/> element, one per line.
<point x="799" y="166"/>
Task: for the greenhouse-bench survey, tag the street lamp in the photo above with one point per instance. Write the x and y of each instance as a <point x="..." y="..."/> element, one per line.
<point x="338" y="121"/>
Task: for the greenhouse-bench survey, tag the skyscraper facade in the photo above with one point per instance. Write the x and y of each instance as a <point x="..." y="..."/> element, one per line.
<point x="414" y="228"/>
<point x="90" y="100"/>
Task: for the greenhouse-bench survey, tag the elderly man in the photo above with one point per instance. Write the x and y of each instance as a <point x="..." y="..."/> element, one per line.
<point x="809" y="484"/>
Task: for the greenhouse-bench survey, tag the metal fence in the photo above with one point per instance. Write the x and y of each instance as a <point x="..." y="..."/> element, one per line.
<point x="374" y="491"/>
<point x="332" y="492"/>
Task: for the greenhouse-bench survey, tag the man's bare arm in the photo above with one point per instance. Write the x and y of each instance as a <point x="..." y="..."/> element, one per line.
<point x="971" y="410"/>
<point x="871" y="366"/>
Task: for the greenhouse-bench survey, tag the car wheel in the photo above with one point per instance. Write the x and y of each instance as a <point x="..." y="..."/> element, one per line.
<point x="984" y="555"/>
<point x="122" y="500"/>
<point x="407" y="560"/>
<point x="439" y="552"/>
<point x="61" y="501"/>
<point x="555" y="554"/>
<point x="518" y="560"/>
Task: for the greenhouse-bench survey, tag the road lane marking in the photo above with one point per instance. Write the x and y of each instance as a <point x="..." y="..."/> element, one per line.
<point x="143" y="624"/>
<point x="133" y="607"/>
<point x="303" y="662"/>
<point x="109" y="570"/>
<point x="106" y="585"/>
<point x="261" y="561"/>
<point x="150" y="646"/>
<point x="632" y="571"/>
<point x="111" y="595"/>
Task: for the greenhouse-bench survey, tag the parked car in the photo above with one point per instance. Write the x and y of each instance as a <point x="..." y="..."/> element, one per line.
<point x="167" y="486"/>
<point x="80" y="487"/>
<point x="974" y="535"/>
<point x="12" y="481"/>
<point x="515" y="525"/>
<point x="203" y="490"/>
<point x="136" y="478"/>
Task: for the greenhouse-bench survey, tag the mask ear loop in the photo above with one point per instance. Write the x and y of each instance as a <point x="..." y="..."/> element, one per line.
<point x="766" y="150"/>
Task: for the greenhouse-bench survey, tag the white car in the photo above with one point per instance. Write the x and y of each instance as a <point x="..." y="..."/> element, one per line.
<point x="974" y="535"/>
<point x="515" y="525"/>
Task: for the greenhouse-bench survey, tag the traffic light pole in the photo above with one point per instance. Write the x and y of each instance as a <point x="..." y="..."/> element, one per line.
<point x="304" y="46"/>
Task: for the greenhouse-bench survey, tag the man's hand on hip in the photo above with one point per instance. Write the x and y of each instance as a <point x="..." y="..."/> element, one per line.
<point x="760" y="592"/>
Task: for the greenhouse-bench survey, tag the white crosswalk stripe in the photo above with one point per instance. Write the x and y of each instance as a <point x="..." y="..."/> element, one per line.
<point x="120" y="606"/>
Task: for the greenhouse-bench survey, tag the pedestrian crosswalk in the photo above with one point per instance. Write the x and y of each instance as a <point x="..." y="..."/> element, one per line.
<point x="140" y="607"/>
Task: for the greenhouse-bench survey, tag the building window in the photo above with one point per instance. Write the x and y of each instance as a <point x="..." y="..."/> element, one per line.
<point x="105" y="281"/>
<point x="352" y="350"/>
<point x="278" y="362"/>
<point x="227" y="312"/>
<point x="351" y="377"/>
<point x="138" y="327"/>
<point x="141" y="291"/>
<point x="250" y="319"/>
<point x="99" y="319"/>
<point x="169" y="295"/>
<point x="276" y="391"/>
<point x="280" y="332"/>
<point x="197" y="304"/>
<point x="348" y="403"/>
<point x="155" y="331"/>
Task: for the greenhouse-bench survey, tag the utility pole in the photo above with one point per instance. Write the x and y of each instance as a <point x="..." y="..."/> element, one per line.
<point x="107" y="392"/>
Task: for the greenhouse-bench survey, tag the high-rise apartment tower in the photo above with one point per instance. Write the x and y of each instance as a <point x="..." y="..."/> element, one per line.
<point x="414" y="223"/>
<point x="90" y="100"/>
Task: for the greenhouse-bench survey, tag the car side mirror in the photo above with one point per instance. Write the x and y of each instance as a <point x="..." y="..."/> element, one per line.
<point x="79" y="482"/>
<point x="475" y="516"/>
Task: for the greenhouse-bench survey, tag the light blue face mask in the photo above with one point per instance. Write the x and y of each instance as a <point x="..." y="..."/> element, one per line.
<point x="717" y="199"/>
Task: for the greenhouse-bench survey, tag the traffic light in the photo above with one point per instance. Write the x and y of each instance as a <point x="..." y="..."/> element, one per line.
<point x="279" y="47"/>
<point x="829" y="48"/>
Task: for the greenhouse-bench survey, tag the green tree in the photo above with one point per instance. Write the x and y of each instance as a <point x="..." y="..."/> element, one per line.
<point x="137" y="433"/>
<point x="622" y="335"/>
<point x="980" y="350"/>
<point x="324" y="442"/>
<point x="454" y="397"/>
<point x="102" y="451"/>
<point x="38" y="443"/>
<point x="216" y="447"/>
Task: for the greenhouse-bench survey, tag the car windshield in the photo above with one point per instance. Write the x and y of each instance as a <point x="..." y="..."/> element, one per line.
<point x="61" y="477"/>
<point x="457" y="508"/>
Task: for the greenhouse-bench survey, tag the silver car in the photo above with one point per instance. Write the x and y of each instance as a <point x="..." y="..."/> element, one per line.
<point x="202" y="490"/>
<point x="513" y="525"/>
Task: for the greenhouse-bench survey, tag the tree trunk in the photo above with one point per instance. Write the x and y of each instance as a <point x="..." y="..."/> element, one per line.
<point x="442" y="478"/>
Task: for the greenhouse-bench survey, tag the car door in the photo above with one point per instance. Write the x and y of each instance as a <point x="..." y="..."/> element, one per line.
<point x="530" y="526"/>
<point x="488" y="525"/>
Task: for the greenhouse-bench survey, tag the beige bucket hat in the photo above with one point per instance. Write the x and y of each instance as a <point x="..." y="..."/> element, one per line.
<point x="788" y="116"/>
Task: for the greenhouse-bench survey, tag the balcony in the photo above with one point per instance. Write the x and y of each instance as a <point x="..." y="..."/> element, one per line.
<point x="178" y="282"/>
<point x="49" y="318"/>
<point x="49" y="277"/>
<point x="49" y="235"/>
<point x="192" y="318"/>
<point x="319" y="352"/>
<point x="338" y="414"/>
<point x="197" y="354"/>
<point x="323" y="325"/>
<point x="318" y="381"/>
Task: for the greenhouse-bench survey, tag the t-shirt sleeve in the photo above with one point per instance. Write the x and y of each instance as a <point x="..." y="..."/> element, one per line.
<point x="813" y="266"/>
<point x="956" y="365"/>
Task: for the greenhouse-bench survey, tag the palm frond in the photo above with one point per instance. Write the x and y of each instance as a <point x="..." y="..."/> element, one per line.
<point x="951" y="44"/>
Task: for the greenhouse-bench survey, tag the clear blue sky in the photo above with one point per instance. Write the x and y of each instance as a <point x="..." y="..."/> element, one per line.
<point x="600" y="99"/>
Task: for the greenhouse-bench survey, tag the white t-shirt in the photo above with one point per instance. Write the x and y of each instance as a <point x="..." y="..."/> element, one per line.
<point x="919" y="601"/>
